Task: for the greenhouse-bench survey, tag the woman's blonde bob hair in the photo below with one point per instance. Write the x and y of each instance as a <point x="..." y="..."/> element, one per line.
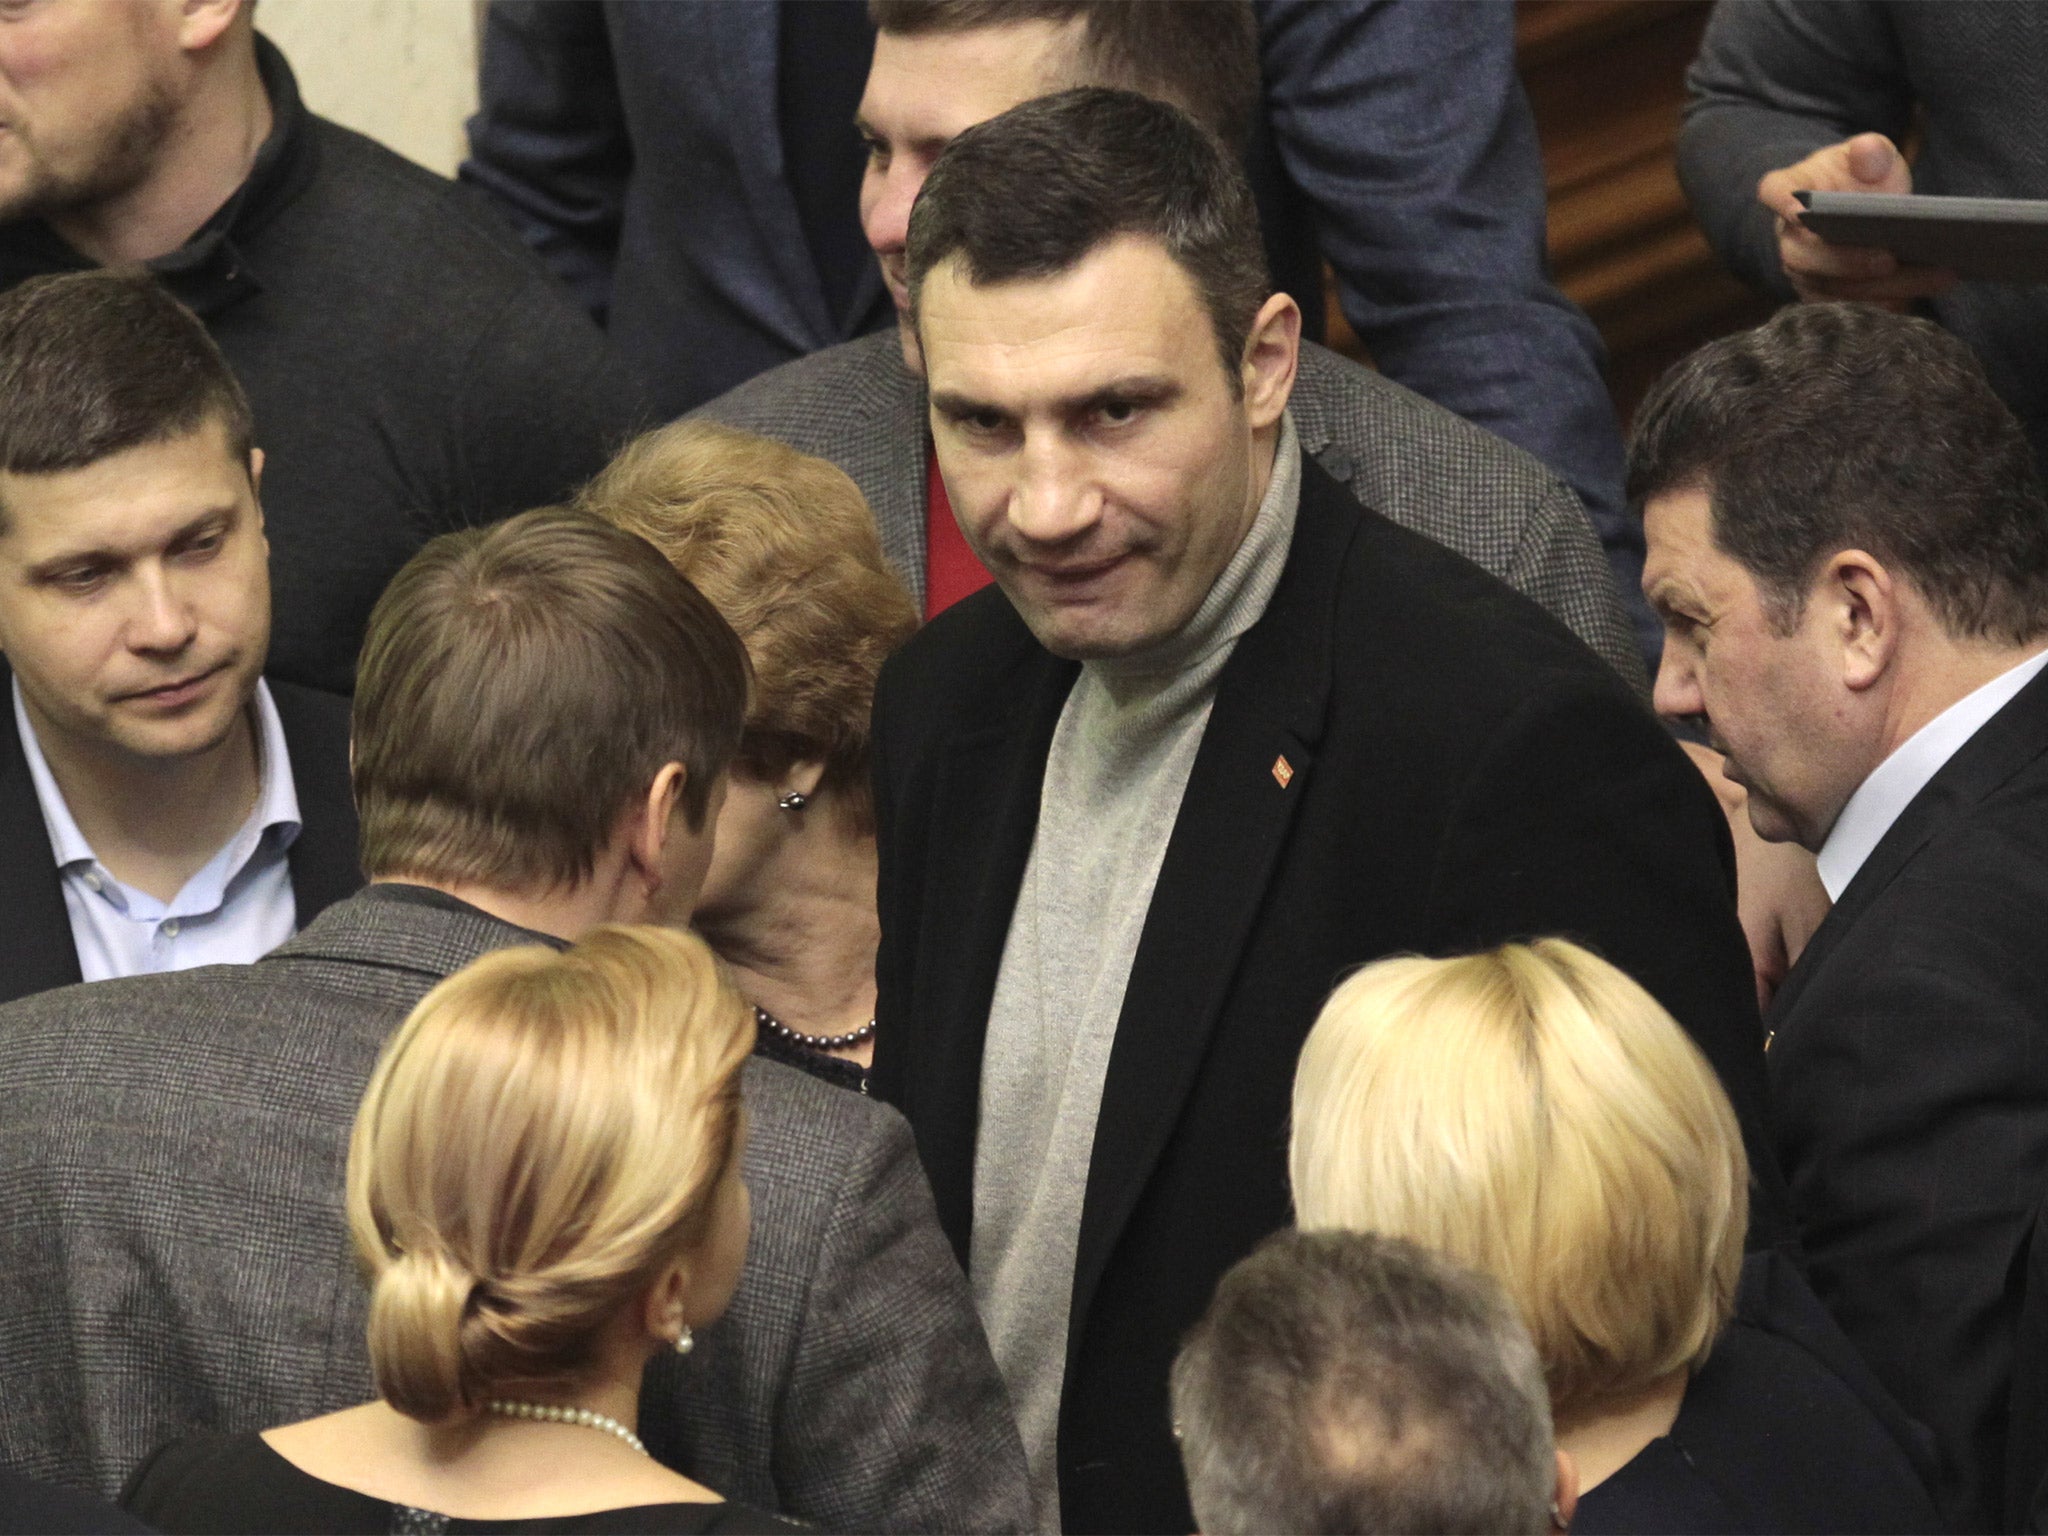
<point x="1534" y="1114"/>
<point x="542" y="1138"/>
<point x="783" y="544"/>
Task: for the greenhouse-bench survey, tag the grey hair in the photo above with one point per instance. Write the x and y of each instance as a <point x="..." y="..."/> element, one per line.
<point x="1351" y="1382"/>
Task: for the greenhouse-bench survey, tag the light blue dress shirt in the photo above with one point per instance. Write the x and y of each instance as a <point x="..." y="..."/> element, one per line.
<point x="1881" y="798"/>
<point x="237" y="908"/>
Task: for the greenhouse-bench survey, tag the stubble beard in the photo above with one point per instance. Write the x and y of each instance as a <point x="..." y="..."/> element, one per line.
<point x="122" y="160"/>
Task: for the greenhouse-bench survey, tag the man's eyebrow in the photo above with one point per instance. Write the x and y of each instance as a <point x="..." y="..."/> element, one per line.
<point x="1667" y="594"/>
<point x="931" y="145"/>
<point x="1140" y="389"/>
<point x="101" y="555"/>
<point x="950" y="402"/>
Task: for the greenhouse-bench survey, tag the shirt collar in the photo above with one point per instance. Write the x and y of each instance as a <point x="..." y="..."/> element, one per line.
<point x="277" y="796"/>
<point x="1880" y="799"/>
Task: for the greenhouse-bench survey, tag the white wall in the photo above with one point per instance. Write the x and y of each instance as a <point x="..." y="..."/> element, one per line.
<point x="402" y="71"/>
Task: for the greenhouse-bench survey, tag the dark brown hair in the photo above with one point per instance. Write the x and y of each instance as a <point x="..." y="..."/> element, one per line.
<point x="95" y="363"/>
<point x="1032" y="192"/>
<point x="783" y="544"/>
<point x="1839" y="426"/>
<point x="520" y="686"/>
<point x="1201" y="55"/>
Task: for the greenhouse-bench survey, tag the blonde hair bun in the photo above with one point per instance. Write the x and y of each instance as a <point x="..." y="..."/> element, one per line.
<point x="544" y="1134"/>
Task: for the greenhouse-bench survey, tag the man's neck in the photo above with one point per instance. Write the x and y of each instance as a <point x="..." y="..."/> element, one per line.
<point x="565" y="915"/>
<point x="205" y="157"/>
<point x="154" y="823"/>
<point x="1949" y="672"/>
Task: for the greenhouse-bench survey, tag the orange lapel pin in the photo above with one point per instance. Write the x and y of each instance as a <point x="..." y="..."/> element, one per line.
<point x="1283" y="772"/>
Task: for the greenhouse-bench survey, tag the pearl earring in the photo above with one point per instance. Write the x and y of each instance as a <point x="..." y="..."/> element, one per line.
<point x="685" y="1341"/>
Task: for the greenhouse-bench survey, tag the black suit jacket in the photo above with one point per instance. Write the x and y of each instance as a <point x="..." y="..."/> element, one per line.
<point x="1909" y="1065"/>
<point x="1459" y="770"/>
<point x="39" y="953"/>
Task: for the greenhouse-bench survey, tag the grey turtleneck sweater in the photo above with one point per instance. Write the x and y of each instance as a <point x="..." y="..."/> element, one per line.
<point x="1120" y="759"/>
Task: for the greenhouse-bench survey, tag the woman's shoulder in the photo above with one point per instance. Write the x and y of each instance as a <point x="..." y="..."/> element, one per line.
<point x="219" y="1482"/>
<point x="1769" y="1438"/>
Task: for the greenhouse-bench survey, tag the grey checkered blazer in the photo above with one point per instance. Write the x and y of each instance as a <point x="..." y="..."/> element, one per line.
<point x="173" y="1254"/>
<point x="1401" y="455"/>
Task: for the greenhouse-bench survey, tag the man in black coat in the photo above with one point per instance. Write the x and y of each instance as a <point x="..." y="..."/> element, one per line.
<point x="161" y="805"/>
<point x="413" y="369"/>
<point x="1220" y="736"/>
<point x="1849" y="548"/>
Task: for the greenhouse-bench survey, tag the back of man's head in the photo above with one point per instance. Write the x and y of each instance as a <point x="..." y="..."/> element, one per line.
<point x="520" y="688"/>
<point x="1347" y="1382"/>
<point x="1201" y="55"/>
<point x="94" y="363"/>
<point x="1842" y="426"/>
<point x="1030" y="193"/>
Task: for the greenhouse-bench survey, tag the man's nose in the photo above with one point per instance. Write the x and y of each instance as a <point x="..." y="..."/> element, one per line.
<point x="163" y="619"/>
<point x="1052" y="500"/>
<point x="885" y="203"/>
<point x="1677" y="691"/>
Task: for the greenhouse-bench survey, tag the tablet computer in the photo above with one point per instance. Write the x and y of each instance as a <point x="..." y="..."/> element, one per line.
<point x="2002" y="239"/>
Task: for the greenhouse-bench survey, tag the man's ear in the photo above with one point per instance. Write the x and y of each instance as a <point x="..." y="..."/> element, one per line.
<point x="202" y="23"/>
<point x="652" y="825"/>
<point x="1566" y="1504"/>
<point x="1864" y="614"/>
<point x="1272" y="352"/>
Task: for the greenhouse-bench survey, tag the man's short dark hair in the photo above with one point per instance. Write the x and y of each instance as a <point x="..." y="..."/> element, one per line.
<point x="1842" y="426"/>
<point x="520" y="687"/>
<point x="1350" y="1382"/>
<point x="1201" y="55"/>
<point x="1032" y="192"/>
<point x="95" y="363"/>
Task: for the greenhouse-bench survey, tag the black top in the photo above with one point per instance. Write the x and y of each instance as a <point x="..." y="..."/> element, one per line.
<point x="411" y="367"/>
<point x="1783" y="1430"/>
<point x="44" y="1510"/>
<point x="836" y="1070"/>
<point x="231" y="1483"/>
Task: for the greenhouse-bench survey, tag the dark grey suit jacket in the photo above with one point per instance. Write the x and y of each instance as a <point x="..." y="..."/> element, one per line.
<point x="1909" y="1083"/>
<point x="1398" y="454"/>
<point x="174" y="1256"/>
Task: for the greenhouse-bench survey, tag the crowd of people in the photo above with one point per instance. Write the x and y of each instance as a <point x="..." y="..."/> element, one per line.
<point x="882" y="857"/>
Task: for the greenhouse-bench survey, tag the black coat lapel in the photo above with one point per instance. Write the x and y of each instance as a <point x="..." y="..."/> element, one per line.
<point x="40" y="953"/>
<point x="984" y="817"/>
<point x="1254" y="766"/>
<point x="2006" y="744"/>
<point x="324" y="857"/>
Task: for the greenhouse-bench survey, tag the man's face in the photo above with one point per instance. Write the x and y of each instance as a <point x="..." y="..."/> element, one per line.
<point x="86" y="94"/>
<point x="134" y="596"/>
<point x="925" y="90"/>
<point x="1772" y="703"/>
<point x="1094" y="452"/>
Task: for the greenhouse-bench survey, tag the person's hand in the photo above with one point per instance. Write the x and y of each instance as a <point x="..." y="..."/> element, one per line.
<point x="1817" y="270"/>
<point x="1778" y="893"/>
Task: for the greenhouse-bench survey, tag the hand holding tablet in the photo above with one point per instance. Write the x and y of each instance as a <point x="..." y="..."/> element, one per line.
<point x="1820" y="268"/>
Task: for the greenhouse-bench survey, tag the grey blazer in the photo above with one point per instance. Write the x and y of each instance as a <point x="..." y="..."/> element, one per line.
<point x="173" y="1253"/>
<point x="1400" y="455"/>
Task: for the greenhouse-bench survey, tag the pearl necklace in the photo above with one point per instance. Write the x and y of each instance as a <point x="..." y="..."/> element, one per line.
<point x="588" y="1417"/>
<point x="775" y="1026"/>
